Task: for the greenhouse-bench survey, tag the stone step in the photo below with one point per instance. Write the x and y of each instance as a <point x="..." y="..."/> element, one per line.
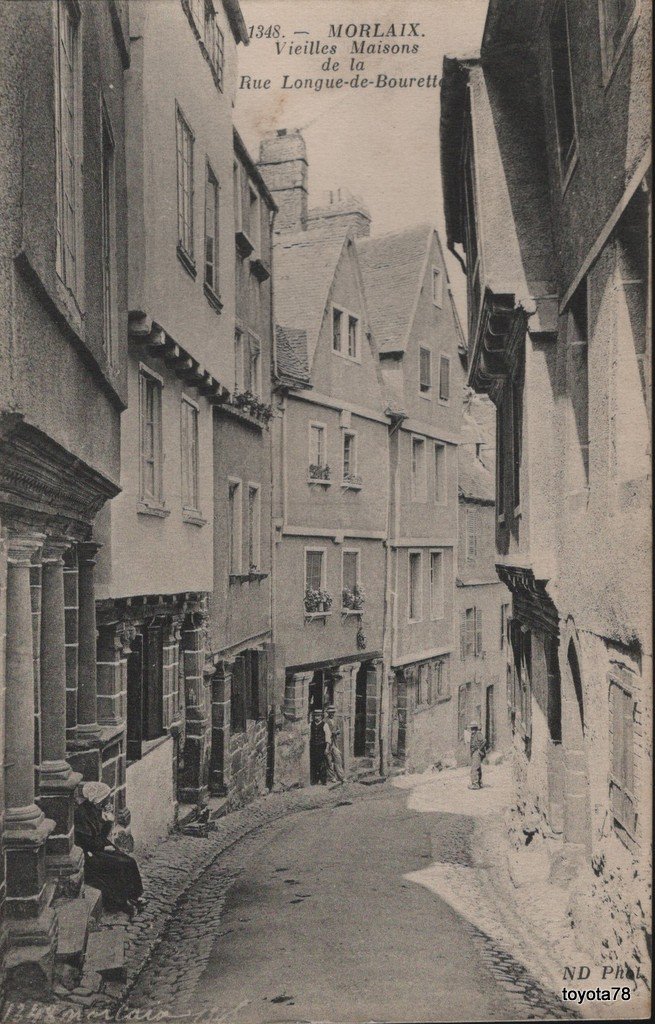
<point x="218" y="807"/>
<point x="77" y="918"/>
<point x="105" y="954"/>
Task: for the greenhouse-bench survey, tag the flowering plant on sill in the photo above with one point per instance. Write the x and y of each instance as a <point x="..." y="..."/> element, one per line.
<point x="317" y="600"/>
<point x="352" y="600"/>
<point x="252" y="404"/>
<point x="317" y="472"/>
<point x="352" y="479"/>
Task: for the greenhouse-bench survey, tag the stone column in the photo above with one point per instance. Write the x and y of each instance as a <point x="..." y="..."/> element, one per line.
<point x="193" y="784"/>
<point x="64" y="861"/>
<point x="373" y="689"/>
<point x="219" y="762"/>
<point x="3" y="638"/>
<point x="71" y="606"/>
<point x="35" y="598"/>
<point x="31" y="923"/>
<point x="87" y="692"/>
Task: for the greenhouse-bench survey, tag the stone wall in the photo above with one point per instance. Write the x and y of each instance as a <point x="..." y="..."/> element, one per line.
<point x="247" y="754"/>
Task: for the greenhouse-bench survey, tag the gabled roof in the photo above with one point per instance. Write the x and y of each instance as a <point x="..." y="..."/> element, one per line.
<point x="304" y="266"/>
<point x="393" y="267"/>
<point x="291" y="357"/>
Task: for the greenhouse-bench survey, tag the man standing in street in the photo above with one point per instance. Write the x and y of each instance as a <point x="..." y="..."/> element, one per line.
<point x="478" y="750"/>
<point x="333" y="753"/>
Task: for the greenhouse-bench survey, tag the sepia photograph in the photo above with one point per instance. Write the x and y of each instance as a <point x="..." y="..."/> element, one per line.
<point x="325" y="511"/>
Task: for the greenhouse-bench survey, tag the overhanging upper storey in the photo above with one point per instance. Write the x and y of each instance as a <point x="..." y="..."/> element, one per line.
<point x="497" y="206"/>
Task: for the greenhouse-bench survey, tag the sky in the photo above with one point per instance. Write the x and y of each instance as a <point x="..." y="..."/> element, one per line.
<point x="382" y="144"/>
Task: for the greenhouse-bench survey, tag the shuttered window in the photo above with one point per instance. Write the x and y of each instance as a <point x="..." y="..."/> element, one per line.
<point x="444" y="378"/>
<point x="234" y="525"/>
<point x="436" y="585"/>
<point x="440" y="473"/>
<point x="471" y="533"/>
<point x="211" y="230"/>
<point x="150" y="394"/>
<point x="622" y="781"/>
<point x="189" y="430"/>
<point x="336" y="329"/>
<point x="415" y="586"/>
<point x="184" y="184"/>
<point x="314" y="570"/>
<point x="425" y="371"/>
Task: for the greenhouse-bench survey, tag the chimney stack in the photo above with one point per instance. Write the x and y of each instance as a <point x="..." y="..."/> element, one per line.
<point x="283" y="164"/>
<point x="342" y="210"/>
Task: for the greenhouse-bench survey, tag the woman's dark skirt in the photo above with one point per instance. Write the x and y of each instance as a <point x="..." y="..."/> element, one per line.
<point x="117" y="876"/>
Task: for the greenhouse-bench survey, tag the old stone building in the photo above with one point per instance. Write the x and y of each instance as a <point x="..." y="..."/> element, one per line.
<point x="330" y="481"/>
<point x="241" y="760"/>
<point x="482" y="600"/>
<point x="63" y="368"/>
<point x="156" y="569"/>
<point x="547" y="181"/>
<point x="418" y="336"/>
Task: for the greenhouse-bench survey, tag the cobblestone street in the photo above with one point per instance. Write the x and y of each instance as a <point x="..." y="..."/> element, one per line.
<point x="315" y="918"/>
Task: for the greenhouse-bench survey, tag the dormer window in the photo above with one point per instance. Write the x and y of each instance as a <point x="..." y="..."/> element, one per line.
<point x="345" y="333"/>
<point x="437" y="287"/>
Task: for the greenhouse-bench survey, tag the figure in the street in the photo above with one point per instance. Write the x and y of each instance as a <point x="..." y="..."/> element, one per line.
<point x="106" y="868"/>
<point x="478" y="746"/>
<point x="333" y="752"/>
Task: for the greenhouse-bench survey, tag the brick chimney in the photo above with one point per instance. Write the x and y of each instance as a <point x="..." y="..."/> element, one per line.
<point x="283" y="164"/>
<point x="341" y="211"/>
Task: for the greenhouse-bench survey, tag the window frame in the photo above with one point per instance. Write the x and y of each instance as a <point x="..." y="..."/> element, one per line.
<point x="566" y="162"/>
<point x="235" y="526"/>
<point x="73" y="280"/>
<point x="414" y="553"/>
<point x="444" y="359"/>
<point x="471" y="533"/>
<point x="418" y="487"/>
<point x="346" y="318"/>
<point x="212" y="183"/>
<point x="155" y="500"/>
<point x="183" y="131"/>
<point x="190" y="456"/>
<point x="425" y="388"/>
<point x="440" y="494"/>
<point x="239" y="378"/>
<point x="353" y="471"/>
<point x="311" y="550"/>
<point x="437" y="610"/>
<point x="322" y="427"/>
<point x="255" y="365"/>
<point x="110" y="325"/>
<point x="254" y="526"/>
<point x="437" y="295"/>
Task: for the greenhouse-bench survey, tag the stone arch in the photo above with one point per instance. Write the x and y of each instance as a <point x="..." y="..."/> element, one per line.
<point x="577" y="813"/>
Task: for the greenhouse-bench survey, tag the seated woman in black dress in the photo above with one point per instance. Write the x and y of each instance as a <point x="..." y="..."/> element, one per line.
<point x="106" y="868"/>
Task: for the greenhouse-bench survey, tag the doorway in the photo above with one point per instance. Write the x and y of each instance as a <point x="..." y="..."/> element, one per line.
<point x="490" y="718"/>
<point x="321" y="694"/>
<point x="359" y="738"/>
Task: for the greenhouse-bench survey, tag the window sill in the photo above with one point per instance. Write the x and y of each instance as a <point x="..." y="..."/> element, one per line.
<point x="344" y="355"/>
<point x="187" y="261"/>
<point x="213" y="298"/>
<point x="321" y="483"/>
<point x="444" y="698"/>
<point x="259" y="269"/>
<point x="248" y="577"/>
<point x="155" y="508"/>
<point x="427" y="395"/>
<point x="354" y="613"/>
<point x="444" y="401"/>
<point x="348" y="486"/>
<point x="243" y="244"/>
<point x="192" y="516"/>
<point x="313" y="616"/>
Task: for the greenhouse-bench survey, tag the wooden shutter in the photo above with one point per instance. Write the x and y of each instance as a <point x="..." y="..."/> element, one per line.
<point x="462" y="633"/>
<point x="478" y="632"/>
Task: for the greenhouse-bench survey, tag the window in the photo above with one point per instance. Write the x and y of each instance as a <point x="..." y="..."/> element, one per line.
<point x="352" y="336"/>
<point x="314" y="569"/>
<point x="254" y="527"/>
<point x="214" y="42"/>
<point x="336" y="329"/>
<point x="190" y="496"/>
<point x="436" y="585"/>
<point x="234" y="525"/>
<point x="317" y="444"/>
<point x="437" y="287"/>
<point x="254" y="218"/>
<point x="463" y="710"/>
<point x="236" y="181"/>
<point x="471" y="634"/>
<point x="350" y="457"/>
<point x="425" y="371"/>
<point x="109" y="311"/>
<point x="563" y="86"/>
<point x="440" y="684"/>
<point x="68" y="141"/>
<point x="184" y="185"/>
<point x="418" y="469"/>
<point x="238" y="360"/>
<point x="505" y="612"/>
<point x="471" y="533"/>
<point x="617" y="20"/>
<point x="415" y="587"/>
<point x="444" y="379"/>
<point x="440" y="490"/>
<point x="253" y="382"/>
<point x="211" y="230"/>
<point x="622" y="780"/>
<point x="350" y="580"/>
<point x="578" y="383"/>
<point x="150" y="397"/>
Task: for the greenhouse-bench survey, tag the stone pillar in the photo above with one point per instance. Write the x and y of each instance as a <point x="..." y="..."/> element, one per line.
<point x="87" y="691"/>
<point x="3" y="638"/>
<point x="32" y="925"/>
<point x="35" y="600"/>
<point x="71" y="603"/>
<point x="114" y="640"/>
<point x="193" y="784"/>
<point x="343" y="698"/>
<point x="219" y="762"/>
<point x="64" y="861"/>
<point x="373" y="691"/>
<point x="296" y="696"/>
<point x="403" y="712"/>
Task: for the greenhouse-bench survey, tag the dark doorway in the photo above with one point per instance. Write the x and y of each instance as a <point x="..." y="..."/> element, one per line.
<point x="359" y="739"/>
<point x="317" y="703"/>
<point x="490" y="718"/>
<point x="135" y="699"/>
<point x="153" y="711"/>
